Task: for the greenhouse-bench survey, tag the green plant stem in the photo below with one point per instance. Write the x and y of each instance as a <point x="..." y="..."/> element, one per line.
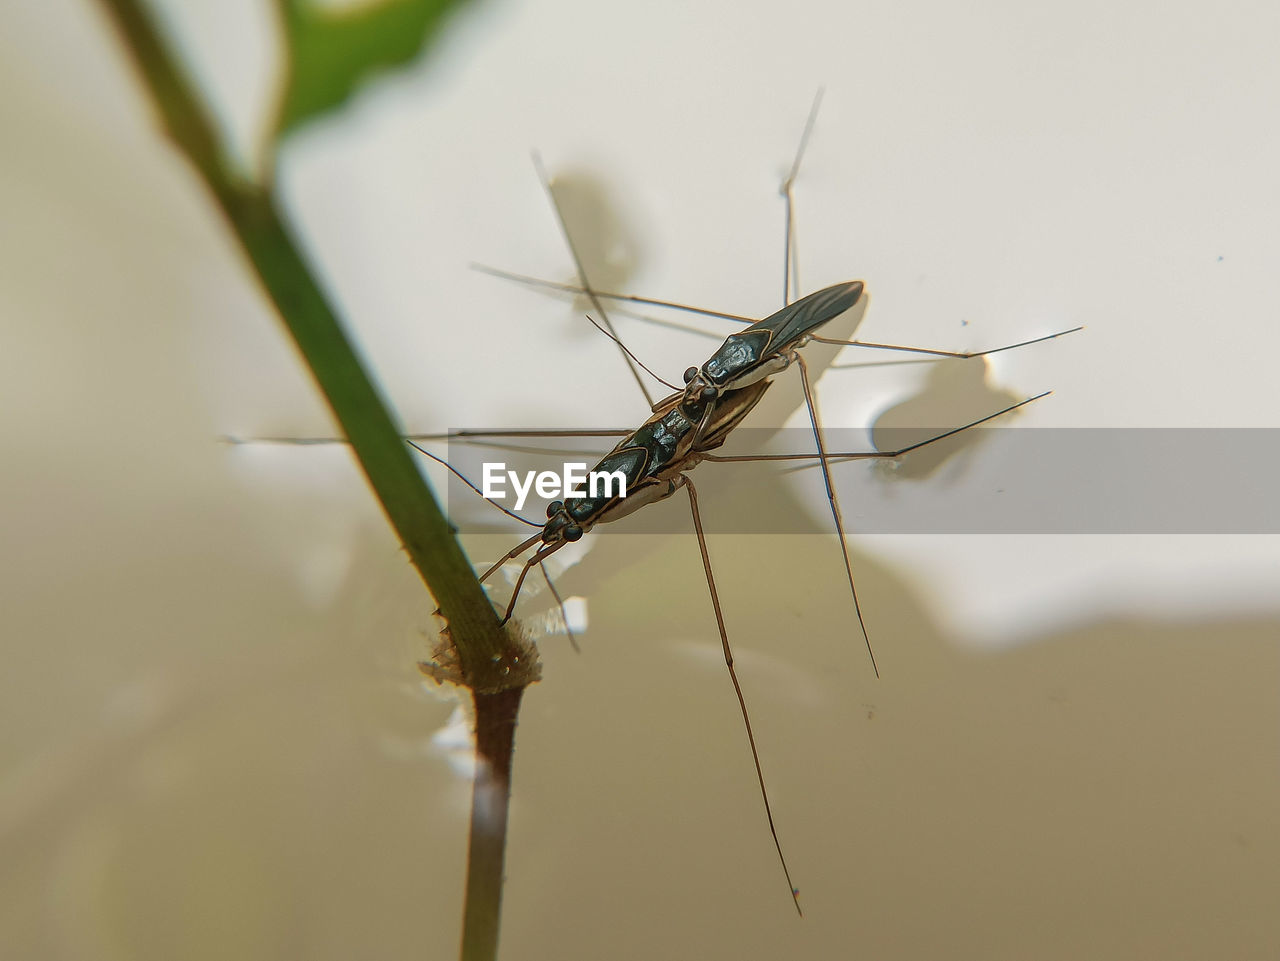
<point x="251" y="213"/>
<point x="488" y="658"/>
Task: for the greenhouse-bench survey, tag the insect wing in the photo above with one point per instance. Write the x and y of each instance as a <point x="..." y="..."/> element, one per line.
<point x="629" y="461"/>
<point x="759" y="350"/>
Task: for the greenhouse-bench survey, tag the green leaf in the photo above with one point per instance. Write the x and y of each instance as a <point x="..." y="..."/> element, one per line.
<point x="331" y="53"/>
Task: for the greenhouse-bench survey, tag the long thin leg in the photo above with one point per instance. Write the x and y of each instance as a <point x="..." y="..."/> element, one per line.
<point x="511" y="439"/>
<point x="308" y="441"/>
<point x="582" y="276"/>
<point x="835" y="504"/>
<point x="511" y="555"/>
<point x="516" y="551"/>
<point x="737" y="688"/>
<point x="564" y="615"/>
<point x="610" y="432"/>
<point x="479" y="438"/>
<point x="447" y="435"/>
<point x="629" y="298"/>
<point x="539" y="556"/>
<point x="962" y="354"/>
<point x="740" y="319"/>
<point x="867" y="455"/>
<point x="791" y="263"/>
<point x="791" y="272"/>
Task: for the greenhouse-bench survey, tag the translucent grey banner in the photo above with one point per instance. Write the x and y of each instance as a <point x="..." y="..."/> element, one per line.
<point x="982" y="481"/>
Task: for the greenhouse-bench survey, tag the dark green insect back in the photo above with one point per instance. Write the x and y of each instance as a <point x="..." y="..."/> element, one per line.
<point x="762" y="345"/>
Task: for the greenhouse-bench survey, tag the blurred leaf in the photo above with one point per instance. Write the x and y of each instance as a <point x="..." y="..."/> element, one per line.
<point x="332" y="52"/>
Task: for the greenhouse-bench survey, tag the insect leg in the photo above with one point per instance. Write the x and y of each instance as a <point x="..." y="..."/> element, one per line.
<point x="790" y="261"/>
<point x="733" y="676"/>
<point x="628" y="298"/>
<point x="740" y="319"/>
<point x="511" y="555"/>
<point x="564" y="615"/>
<point x="539" y="556"/>
<point x="833" y="501"/>
<point x="868" y="455"/>
<point x="961" y="354"/>
<point x="467" y="434"/>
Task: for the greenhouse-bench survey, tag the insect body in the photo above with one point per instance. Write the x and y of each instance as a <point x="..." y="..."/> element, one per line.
<point x="689" y="424"/>
<point x="769" y="346"/>
<point x="683" y="429"/>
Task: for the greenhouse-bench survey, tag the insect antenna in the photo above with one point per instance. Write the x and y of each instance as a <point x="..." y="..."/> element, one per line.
<point x="564" y="615"/>
<point x="614" y="337"/>
<point x="411" y="440"/>
<point x="458" y="474"/>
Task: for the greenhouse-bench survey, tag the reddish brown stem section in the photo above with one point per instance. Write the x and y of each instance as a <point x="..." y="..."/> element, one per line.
<point x="490" y="799"/>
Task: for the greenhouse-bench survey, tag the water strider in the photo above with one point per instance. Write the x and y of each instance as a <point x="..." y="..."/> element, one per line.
<point x="688" y="426"/>
<point x="656" y="457"/>
<point x="682" y="431"/>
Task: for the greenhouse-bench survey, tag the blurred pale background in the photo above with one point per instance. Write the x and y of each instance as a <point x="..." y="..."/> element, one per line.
<point x="215" y="743"/>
